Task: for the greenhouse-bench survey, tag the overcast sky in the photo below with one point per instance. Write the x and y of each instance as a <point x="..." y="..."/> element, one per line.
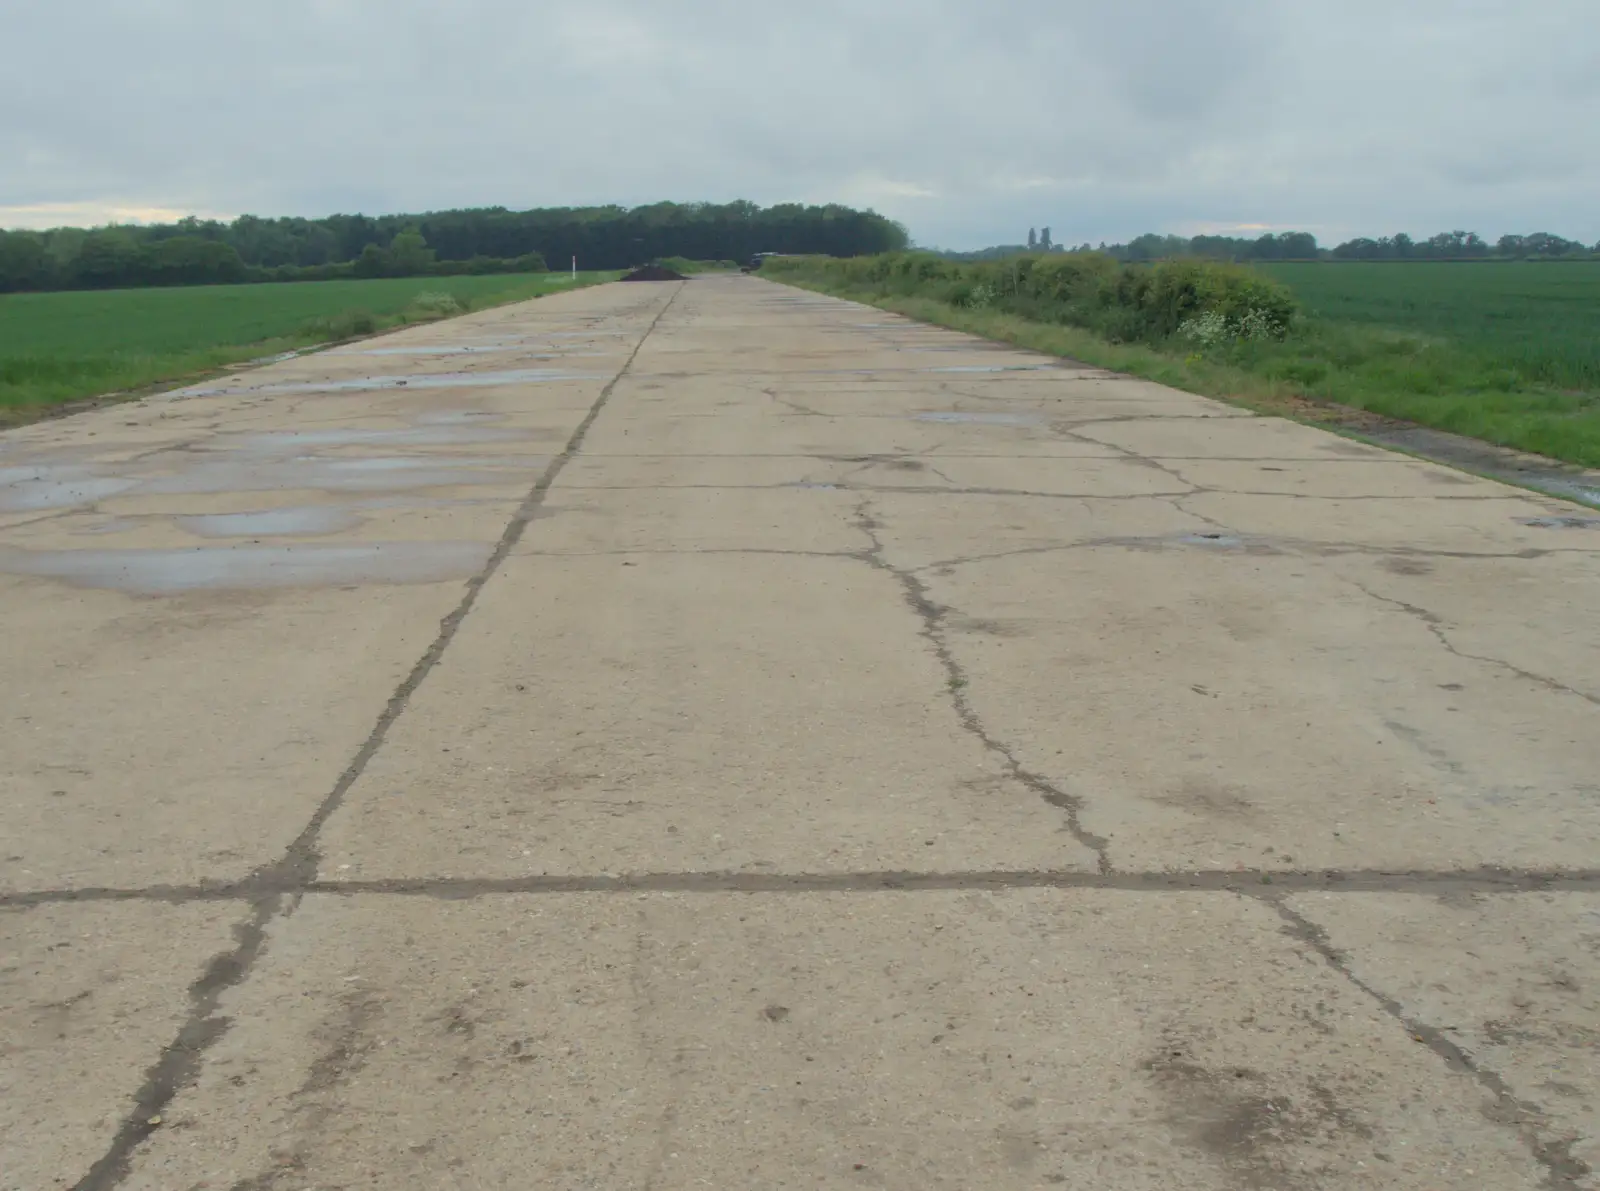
<point x="969" y="120"/>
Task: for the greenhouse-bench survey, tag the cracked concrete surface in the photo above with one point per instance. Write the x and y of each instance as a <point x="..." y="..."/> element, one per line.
<point x="713" y="735"/>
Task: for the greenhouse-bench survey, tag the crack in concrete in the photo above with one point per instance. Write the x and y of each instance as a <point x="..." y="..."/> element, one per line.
<point x="1436" y="626"/>
<point x="931" y="617"/>
<point x="296" y="870"/>
<point x="803" y="411"/>
<point x="1562" y="1171"/>
<point x="1280" y="544"/>
<point x="1483" y="881"/>
<point x="855" y="555"/>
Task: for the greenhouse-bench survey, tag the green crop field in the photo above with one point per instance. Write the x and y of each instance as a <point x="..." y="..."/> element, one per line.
<point x="60" y="347"/>
<point x="1541" y="321"/>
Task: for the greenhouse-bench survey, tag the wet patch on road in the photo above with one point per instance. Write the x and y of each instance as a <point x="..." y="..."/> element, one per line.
<point x="384" y="384"/>
<point x="200" y="568"/>
<point x="1560" y="522"/>
<point x="46" y="487"/>
<point x="298" y="521"/>
<point x="399" y="473"/>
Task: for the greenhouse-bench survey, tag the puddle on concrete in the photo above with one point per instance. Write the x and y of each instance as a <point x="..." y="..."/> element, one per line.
<point x="538" y="351"/>
<point x="201" y="568"/>
<point x="109" y="526"/>
<point x="1581" y="493"/>
<point x="44" y="488"/>
<point x="981" y="419"/>
<point x="1495" y="463"/>
<point x="307" y="520"/>
<point x="375" y="384"/>
<point x="269" y="461"/>
<point x="278" y="441"/>
<point x="374" y="474"/>
<point x="457" y="417"/>
<point x="1560" y="522"/>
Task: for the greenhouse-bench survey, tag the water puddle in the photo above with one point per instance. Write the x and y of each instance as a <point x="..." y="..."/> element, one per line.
<point x="1560" y="522"/>
<point x="542" y="351"/>
<point x="39" y="489"/>
<point x="457" y="417"/>
<point x="1492" y="462"/>
<point x="270" y="461"/>
<point x="957" y="417"/>
<point x="1581" y="493"/>
<point x="307" y="520"/>
<point x="376" y="384"/>
<point x="446" y="434"/>
<point x="382" y="473"/>
<point x="214" y="568"/>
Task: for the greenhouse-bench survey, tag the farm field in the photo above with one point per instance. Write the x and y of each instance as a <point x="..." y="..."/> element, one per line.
<point x="62" y="347"/>
<point x="1538" y="320"/>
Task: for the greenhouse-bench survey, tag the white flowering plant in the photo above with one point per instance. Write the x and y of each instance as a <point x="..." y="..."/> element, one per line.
<point x="1214" y="328"/>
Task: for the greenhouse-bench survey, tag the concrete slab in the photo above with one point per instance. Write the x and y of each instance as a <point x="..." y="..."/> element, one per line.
<point x="90" y="996"/>
<point x="167" y="740"/>
<point x="1510" y="981"/>
<point x="776" y="714"/>
<point x="1214" y="708"/>
<point x="786" y="519"/>
<point x="950" y="1040"/>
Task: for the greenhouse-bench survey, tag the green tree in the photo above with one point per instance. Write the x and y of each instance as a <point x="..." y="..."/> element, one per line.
<point x="409" y="254"/>
<point x="25" y="263"/>
<point x="373" y="262"/>
<point x="108" y="257"/>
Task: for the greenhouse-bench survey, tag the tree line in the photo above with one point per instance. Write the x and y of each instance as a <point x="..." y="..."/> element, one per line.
<point x="483" y="240"/>
<point x="1303" y="246"/>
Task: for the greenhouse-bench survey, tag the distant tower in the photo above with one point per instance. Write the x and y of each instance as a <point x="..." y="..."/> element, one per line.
<point x="1044" y="241"/>
<point x="1033" y="239"/>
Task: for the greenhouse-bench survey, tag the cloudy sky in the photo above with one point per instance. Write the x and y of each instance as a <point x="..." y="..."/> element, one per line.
<point x="969" y="120"/>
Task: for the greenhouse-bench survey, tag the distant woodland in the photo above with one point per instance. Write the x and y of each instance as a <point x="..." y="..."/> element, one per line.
<point x="484" y="240"/>
<point x="1303" y="246"/>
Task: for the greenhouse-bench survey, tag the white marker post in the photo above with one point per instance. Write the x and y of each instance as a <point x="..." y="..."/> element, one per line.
<point x="574" y="268"/>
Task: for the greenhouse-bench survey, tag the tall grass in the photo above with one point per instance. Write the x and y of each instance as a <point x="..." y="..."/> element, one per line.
<point x="1496" y="352"/>
<point x="60" y="347"/>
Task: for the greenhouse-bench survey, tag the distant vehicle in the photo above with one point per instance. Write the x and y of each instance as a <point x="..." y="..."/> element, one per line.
<point x="755" y="261"/>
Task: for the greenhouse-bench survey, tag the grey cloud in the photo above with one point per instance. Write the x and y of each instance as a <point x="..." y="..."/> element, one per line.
<point x="969" y="120"/>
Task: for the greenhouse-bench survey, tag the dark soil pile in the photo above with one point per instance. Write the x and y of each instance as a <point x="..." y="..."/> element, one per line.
<point x="654" y="273"/>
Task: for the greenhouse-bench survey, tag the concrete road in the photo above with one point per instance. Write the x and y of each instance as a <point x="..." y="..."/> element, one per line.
<point x="709" y="735"/>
